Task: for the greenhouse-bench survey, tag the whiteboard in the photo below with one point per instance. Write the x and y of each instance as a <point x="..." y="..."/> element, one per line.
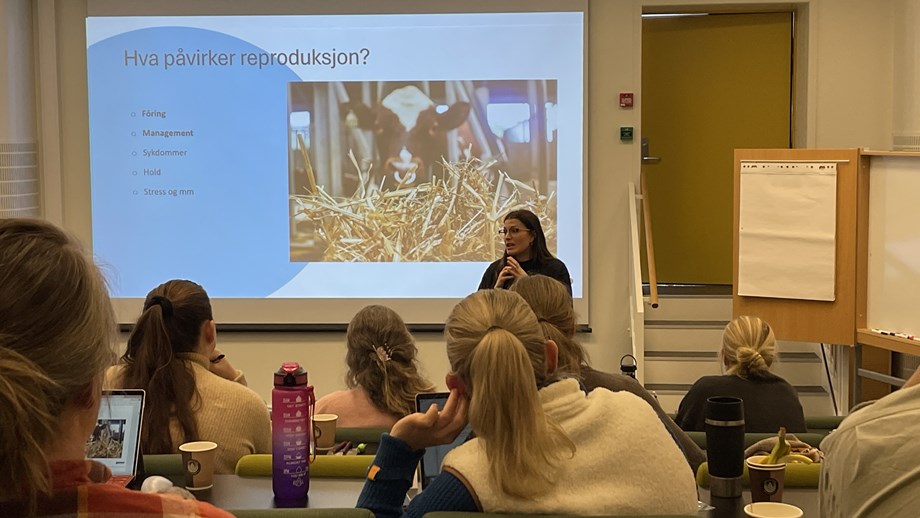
<point x="893" y="301"/>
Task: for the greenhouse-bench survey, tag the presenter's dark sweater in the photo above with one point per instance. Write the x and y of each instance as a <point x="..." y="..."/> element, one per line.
<point x="768" y="403"/>
<point x="552" y="268"/>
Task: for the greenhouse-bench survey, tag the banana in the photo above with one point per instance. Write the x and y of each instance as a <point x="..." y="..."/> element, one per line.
<point x="795" y="458"/>
<point x="781" y="449"/>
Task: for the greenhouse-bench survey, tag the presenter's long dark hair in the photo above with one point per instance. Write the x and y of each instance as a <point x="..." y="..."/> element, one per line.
<point x="539" y="252"/>
<point x="171" y="323"/>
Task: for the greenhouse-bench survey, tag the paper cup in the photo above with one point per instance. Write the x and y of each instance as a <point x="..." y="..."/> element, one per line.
<point x="198" y="464"/>
<point x="772" y="510"/>
<point x="766" y="479"/>
<point x="324" y="430"/>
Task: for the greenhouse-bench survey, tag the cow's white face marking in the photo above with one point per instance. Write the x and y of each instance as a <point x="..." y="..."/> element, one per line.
<point x="407" y="103"/>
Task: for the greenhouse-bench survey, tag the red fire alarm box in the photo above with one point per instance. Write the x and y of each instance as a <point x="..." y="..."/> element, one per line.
<point x="626" y="99"/>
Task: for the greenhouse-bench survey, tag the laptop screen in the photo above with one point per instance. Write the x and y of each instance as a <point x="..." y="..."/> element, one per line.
<point x="115" y="441"/>
<point x="430" y="465"/>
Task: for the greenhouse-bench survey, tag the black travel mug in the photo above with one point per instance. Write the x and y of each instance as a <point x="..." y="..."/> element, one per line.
<point x="724" y="425"/>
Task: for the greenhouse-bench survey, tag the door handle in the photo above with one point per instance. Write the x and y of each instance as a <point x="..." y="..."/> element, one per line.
<point x="646" y="160"/>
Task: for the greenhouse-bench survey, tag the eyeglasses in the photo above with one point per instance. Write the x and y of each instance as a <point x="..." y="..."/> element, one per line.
<point x="513" y="231"/>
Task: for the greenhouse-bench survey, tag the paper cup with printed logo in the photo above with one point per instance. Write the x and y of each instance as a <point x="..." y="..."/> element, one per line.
<point x="198" y="459"/>
<point x="324" y="428"/>
<point x="766" y="479"/>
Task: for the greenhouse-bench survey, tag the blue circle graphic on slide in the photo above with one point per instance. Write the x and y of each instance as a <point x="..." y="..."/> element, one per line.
<point x="209" y="201"/>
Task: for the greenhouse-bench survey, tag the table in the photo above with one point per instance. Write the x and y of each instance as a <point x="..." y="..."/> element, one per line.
<point x="805" y="499"/>
<point x="234" y="492"/>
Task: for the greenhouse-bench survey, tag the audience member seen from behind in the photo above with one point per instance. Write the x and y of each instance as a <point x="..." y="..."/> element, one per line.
<point x="748" y="350"/>
<point x="193" y="393"/>
<point x="382" y="375"/>
<point x="542" y="444"/>
<point x="870" y="465"/>
<point x="553" y="306"/>
<point x="525" y="254"/>
<point x="57" y="333"/>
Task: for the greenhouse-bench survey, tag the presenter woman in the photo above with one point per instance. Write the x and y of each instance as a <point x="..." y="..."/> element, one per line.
<point x="57" y="336"/>
<point x="525" y="254"/>
<point x="193" y="394"/>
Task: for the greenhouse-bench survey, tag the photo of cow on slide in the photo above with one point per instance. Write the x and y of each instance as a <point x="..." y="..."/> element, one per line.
<point x="107" y="440"/>
<point x="385" y="171"/>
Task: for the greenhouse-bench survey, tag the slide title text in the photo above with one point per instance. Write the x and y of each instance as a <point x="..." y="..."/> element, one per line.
<point x="210" y="58"/>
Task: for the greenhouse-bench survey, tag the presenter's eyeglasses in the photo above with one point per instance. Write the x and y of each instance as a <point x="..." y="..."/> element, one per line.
<point x="513" y="231"/>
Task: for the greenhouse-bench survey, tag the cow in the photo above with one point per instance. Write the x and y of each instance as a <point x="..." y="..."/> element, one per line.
<point x="410" y="135"/>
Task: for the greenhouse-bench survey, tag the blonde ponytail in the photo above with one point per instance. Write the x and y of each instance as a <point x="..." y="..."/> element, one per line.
<point x="504" y="404"/>
<point x="496" y="346"/>
<point x="749" y="347"/>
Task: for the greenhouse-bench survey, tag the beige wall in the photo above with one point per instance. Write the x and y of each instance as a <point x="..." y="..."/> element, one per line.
<point x="849" y="52"/>
<point x="853" y="100"/>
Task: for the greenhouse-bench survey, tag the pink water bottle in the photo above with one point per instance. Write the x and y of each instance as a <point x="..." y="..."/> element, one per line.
<point x="292" y="412"/>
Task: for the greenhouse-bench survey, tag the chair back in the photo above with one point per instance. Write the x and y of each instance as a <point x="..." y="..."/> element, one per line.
<point x="304" y="513"/>
<point x="812" y="439"/>
<point x="797" y="475"/>
<point x="328" y="466"/>
<point x="823" y="424"/>
<point x="455" y="514"/>
<point x="168" y="465"/>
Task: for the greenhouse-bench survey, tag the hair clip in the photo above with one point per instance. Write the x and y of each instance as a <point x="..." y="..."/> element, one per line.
<point x="383" y="353"/>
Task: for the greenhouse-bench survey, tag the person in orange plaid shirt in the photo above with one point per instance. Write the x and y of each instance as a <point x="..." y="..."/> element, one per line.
<point x="57" y="331"/>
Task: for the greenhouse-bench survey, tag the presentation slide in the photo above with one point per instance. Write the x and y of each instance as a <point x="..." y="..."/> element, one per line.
<point x="332" y="156"/>
<point x="115" y="439"/>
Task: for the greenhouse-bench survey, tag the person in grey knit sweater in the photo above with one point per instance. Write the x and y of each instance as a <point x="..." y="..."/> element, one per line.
<point x="552" y="304"/>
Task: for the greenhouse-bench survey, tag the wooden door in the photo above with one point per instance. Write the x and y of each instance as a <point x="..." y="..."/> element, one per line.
<point x="710" y="84"/>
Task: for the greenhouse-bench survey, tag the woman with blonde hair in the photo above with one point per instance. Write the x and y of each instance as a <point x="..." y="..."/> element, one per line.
<point x="193" y="393"/>
<point x="552" y="305"/>
<point x="542" y="444"/>
<point x="382" y="376"/>
<point x="748" y="351"/>
<point x="57" y="333"/>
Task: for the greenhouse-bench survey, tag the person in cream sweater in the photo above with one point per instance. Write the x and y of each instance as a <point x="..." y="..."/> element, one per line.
<point x="193" y="393"/>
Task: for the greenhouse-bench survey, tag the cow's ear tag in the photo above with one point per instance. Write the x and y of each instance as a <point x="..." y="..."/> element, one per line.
<point x="351" y="120"/>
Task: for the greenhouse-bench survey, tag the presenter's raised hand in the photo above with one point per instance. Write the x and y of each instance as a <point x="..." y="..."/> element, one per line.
<point x="511" y="272"/>
<point x="514" y="268"/>
<point x="434" y="427"/>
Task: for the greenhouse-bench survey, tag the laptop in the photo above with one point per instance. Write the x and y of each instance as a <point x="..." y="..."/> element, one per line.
<point x="430" y="465"/>
<point x="116" y="440"/>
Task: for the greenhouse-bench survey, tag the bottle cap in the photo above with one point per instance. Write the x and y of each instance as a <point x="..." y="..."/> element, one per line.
<point x="290" y="374"/>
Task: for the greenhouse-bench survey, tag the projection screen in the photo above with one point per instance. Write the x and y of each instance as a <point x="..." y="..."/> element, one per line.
<point x="300" y="160"/>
